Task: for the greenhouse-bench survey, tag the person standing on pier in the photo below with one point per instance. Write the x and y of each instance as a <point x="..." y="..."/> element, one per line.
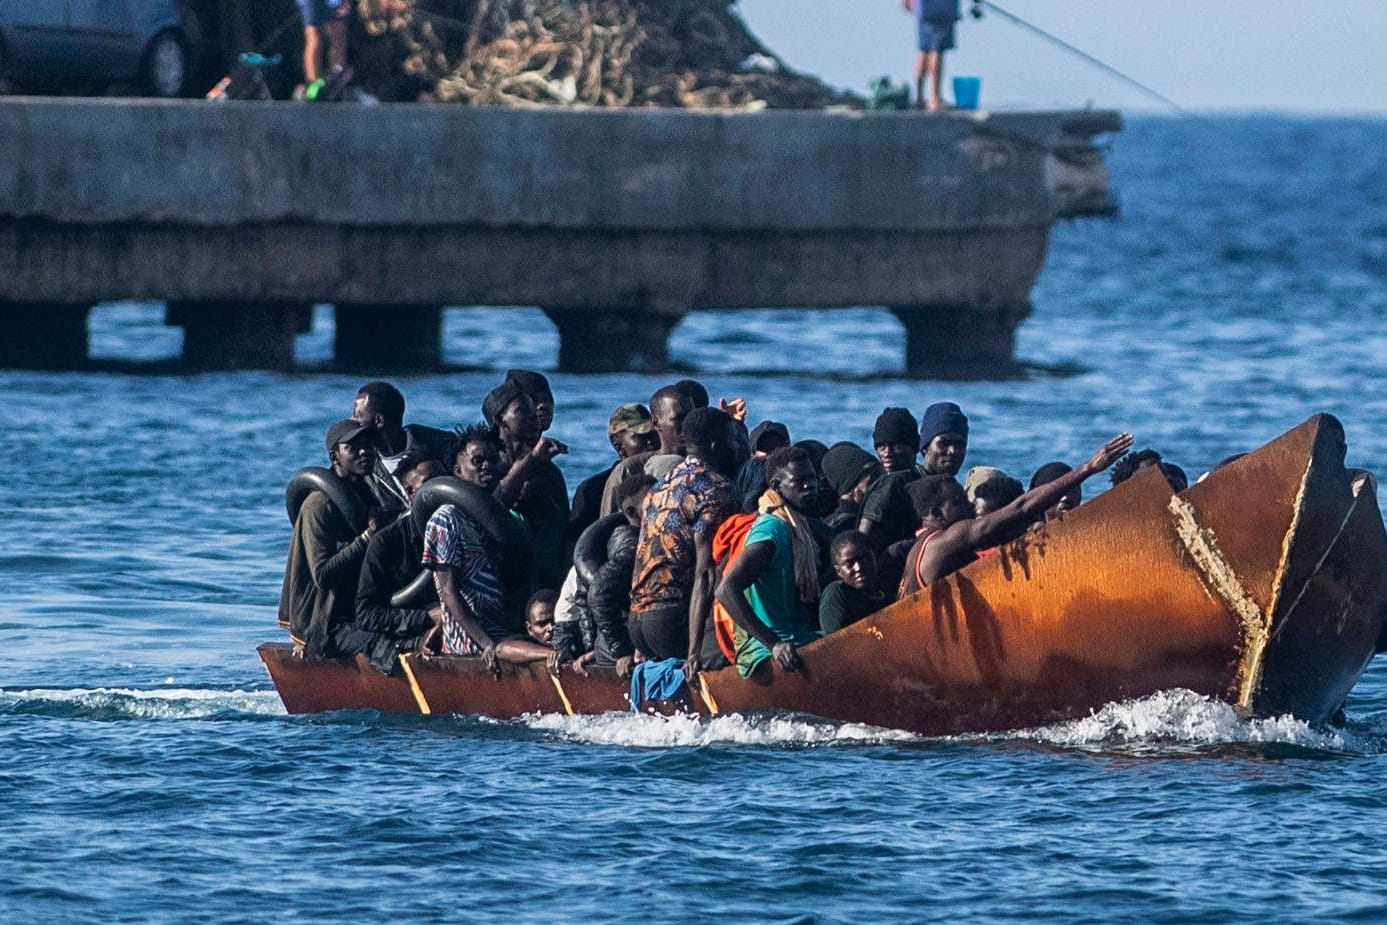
<point x="324" y="21"/>
<point x="934" y="24"/>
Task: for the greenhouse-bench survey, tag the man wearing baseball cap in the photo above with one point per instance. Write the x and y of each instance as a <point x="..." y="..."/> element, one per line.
<point x="630" y="431"/>
<point x="325" y="552"/>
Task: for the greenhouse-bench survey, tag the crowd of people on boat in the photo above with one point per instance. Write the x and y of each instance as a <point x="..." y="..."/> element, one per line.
<point x="704" y="543"/>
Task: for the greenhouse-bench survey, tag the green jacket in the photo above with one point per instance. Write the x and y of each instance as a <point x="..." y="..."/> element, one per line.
<point x="321" y="575"/>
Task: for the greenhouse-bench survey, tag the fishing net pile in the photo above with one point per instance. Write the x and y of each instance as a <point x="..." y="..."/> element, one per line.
<point x="682" y="53"/>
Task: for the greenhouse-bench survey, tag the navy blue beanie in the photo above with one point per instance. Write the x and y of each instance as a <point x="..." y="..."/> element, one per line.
<point x="942" y="417"/>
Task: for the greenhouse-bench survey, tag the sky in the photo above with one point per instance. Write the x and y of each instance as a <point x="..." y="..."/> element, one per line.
<point x="1325" y="56"/>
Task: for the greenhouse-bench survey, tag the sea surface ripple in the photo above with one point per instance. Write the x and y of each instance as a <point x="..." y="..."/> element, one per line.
<point x="150" y="774"/>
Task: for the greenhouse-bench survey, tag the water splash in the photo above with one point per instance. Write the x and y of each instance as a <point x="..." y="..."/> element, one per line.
<point x="1181" y="718"/>
<point x="111" y="703"/>
<point x="647" y="731"/>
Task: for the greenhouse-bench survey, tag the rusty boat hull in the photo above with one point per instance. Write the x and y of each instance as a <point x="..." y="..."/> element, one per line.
<point x="1265" y="585"/>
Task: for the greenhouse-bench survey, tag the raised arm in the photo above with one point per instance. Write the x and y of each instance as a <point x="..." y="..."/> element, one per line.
<point x="990" y="529"/>
<point x="512" y="485"/>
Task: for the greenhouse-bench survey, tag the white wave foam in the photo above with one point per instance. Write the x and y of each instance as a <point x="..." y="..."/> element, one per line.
<point x="647" y="731"/>
<point x="1180" y="717"/>
<point x="165" y="703"/>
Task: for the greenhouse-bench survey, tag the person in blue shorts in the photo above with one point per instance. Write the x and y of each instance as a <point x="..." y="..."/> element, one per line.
<point x="323" y="20"/>
<point x="934" y="20"/>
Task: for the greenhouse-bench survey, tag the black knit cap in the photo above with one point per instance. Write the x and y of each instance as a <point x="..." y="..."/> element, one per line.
<point x="896" y="425"/>
<point x="942" y="417"/>
<point x="844" y="465"/>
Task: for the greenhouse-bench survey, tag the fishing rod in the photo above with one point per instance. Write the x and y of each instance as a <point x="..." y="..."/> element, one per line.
<point x="976" y="13"/>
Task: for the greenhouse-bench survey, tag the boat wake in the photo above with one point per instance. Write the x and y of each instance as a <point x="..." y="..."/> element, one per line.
<point x="1169" y="722"/>
<point x="115" y="703"/>
<point x="647" y="731"/>
<point x="1180" y="720"/>
<point x="1174" y="722"/>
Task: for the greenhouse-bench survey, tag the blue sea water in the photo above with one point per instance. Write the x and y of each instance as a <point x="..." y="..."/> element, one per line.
<point x="149" y="774"/>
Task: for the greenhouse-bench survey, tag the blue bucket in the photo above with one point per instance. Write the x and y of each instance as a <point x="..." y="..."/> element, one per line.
<point x="967" y="90"/>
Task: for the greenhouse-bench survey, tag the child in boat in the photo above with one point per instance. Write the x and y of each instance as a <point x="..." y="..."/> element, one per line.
<point x="857" y="592"/>
<point x="539" y="615"/>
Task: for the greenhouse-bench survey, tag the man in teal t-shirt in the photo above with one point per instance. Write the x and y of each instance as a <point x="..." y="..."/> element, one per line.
<point x="763" y="591"/>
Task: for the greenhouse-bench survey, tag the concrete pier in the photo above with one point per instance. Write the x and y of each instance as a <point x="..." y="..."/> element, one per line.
<point x="616" y="223"/>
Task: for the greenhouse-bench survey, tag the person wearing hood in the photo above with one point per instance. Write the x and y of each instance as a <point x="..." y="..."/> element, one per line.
<point x="849" y="471"/>
<point x="765" y="438"/>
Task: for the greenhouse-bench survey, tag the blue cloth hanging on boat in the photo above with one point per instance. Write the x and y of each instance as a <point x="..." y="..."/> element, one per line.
<point x="662" y="680"/>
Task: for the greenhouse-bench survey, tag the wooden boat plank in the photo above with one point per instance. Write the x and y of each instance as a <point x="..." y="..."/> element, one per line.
<point x="318" y="685"/>
<point x="462" y="684"/>
<point x="600" y="692"/>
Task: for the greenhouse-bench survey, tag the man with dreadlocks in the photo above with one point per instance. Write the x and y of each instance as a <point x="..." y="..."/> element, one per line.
<point x="771" y="590"/>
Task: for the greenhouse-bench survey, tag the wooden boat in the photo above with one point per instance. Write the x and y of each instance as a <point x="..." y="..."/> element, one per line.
<point x="1264" y="585"/>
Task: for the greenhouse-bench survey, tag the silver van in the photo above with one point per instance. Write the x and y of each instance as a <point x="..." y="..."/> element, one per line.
<point x="73" y="45"/>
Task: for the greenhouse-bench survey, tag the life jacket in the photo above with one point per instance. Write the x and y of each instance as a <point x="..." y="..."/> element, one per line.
<point x="728" y="542"/>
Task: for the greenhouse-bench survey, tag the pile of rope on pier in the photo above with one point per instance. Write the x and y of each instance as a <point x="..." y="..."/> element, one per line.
<point x="614" y="53"/>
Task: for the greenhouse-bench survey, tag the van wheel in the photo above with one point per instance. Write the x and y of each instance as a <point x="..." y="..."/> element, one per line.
<point x="165" y="69"/>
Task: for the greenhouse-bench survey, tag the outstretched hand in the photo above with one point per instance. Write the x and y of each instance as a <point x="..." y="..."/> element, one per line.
<point x="1109" y="453"/>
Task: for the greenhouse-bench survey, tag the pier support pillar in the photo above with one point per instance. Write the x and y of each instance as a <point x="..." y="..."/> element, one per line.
<point x="43" y="335"/>
<point x="234" y="335"/>
<point x="960" y="341"/>
<point x="605" y="340"/>
<point x="391" y="338"/>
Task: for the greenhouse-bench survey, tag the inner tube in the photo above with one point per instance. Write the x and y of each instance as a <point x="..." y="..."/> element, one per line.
<point x="476" y="503"/>
<point x="418" y="594"/>
<point x="315" y="478"/>
<point x="500" y="524"/>
<point x="591" y="549"/>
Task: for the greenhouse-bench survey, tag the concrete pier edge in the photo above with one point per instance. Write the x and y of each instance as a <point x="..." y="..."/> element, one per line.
<point x="617" y="223"/>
